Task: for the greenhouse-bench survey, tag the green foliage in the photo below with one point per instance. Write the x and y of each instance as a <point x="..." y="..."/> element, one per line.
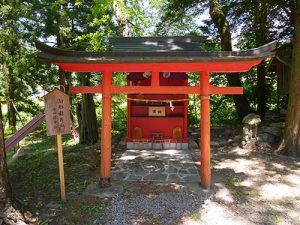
<point x="87" y="25"/>
<point x="37" y="174"/>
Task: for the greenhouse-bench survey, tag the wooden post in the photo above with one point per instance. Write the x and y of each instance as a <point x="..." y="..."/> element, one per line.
<point x="61" y="167"/>
<point x="155" y="79"/>
<point x="105" y="163"/>
<point x="205" y="130"/>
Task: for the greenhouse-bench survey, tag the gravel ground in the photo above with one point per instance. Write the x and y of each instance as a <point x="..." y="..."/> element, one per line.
<point x="164" y="208"/>
<point x="249" y="187"/>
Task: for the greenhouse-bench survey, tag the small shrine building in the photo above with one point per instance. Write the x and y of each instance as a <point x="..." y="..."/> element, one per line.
<point x="157" y="88"/>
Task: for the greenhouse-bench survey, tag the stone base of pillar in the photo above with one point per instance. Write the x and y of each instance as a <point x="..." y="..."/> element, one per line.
<point x="104" y="182"/>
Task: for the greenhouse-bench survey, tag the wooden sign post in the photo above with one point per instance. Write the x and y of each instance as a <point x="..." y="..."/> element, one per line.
<point x="58" y="121"/>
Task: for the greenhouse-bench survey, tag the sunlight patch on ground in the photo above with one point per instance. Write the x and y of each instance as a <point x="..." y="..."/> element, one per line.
<point x="278" y="191"/>
<point x="224" y="194"/>
<point x="278" y="166"/>
<point x="247" y="183"/>
<point x="240" y="165"/>
<point x="214" y="213"/>
<point x="128" y="157"/>
<point x="293" y="179"/>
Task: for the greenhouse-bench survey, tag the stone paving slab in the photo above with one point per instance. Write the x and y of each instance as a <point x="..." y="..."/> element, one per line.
<point x="171" y="165"/>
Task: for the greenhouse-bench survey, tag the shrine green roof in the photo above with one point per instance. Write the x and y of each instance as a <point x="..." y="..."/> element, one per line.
<point x="153" y="50"/>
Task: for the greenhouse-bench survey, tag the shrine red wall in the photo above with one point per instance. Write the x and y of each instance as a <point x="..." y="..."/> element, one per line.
<point x="138" y="110"/>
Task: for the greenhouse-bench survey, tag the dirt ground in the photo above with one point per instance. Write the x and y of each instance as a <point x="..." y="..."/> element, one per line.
<point x="249" y="186"/>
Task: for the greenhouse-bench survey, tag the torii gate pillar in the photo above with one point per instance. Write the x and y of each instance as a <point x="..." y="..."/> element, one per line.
<point x="105" y="164"/>
<point x="205" y="130"/>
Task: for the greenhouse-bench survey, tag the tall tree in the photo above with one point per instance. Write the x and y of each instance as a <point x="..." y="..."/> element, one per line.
<point x="260" y="11"/>
<point x="178" y="9"/>
<point x="262" y="26"/>
<point x="5" y="189"/>
<point x="87" y="115"/>
<point x="74" y="25"/>
<point x="21" y="74"/>
<point x="290" y="143"/>
<point x="220" y="21"/>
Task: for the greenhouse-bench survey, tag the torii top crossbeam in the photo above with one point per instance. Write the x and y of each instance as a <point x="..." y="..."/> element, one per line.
<point x="156" y="54"/>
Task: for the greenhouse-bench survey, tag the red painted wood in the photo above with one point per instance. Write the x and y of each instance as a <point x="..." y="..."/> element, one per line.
<point x="205" y="170"/>
<point x="85" y="89"/>
<point x="156" y="90"/>
<point x="129" y="111"/>
<point x="185" y="121"/>
<point x="160" y="89"/>
<point x="226" y="90"/>
<point x="155" y="79"/>
<point x="163" y="124"/>
<point x="157" y="124"/>
<point x="143" y="110"/>
<point x="105" y="163"/>
<point x="215" y="67"/>
<point x="168" y="140"/>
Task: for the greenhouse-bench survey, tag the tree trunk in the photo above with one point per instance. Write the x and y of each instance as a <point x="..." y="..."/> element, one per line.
<point x="12" y="121"/>
<point x="9" y="93"/>
<point x="290" y="142"/>
<point x="88" y="118"/>
<point x="260" y="12"/>
<point x="219" y="19"/>
<point x="261" y="91"/>
<point x="5" y="189"/>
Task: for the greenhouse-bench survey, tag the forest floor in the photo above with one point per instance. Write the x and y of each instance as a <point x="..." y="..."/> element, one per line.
<point x="249" y="186"/>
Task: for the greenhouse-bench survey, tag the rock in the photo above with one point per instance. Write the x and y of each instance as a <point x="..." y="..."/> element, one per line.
<point x="53" y="205"/>
<point x="122" y="143"/>
<point x="21" y="223"/>
<point x="252" y="120"/>
<point x="237" y="138"/>
<point x="266" y="137"/>
<point x="280" y="125"/>
<point x="234" y="144"/>
<point x="225" y="142"/>
<point x="27" y="215"/>
<point x="273" y="130"/>
<point x="214" y="144"/>
<point x="193" y="144"/>
<point x="94" y="190"/>
<point x="97" y="222"/>
<point x="247" y="133"/>
<point x="22" y="153"/>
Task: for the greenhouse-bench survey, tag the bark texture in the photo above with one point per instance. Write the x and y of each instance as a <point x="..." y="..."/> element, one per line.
<point x="5" y="190"/>
<point x="290" y="143"/>
<point x="9" y="94"/>
<point x="260" y="12"/>
<point x="87" y="118"/>
<point x="219" y="19"/>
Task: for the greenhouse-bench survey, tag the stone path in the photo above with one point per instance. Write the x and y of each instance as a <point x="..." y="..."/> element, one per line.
<point x="156" y="165"/>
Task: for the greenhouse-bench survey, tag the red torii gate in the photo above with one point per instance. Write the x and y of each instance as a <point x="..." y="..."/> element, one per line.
<point x="156" y="61"/>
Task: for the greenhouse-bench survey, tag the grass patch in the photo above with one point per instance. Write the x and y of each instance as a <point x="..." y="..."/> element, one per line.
<point x="233" y="181"/>
<point x="196" y="216"/>
<point x="35" y="178"/>
<point x="88" y="211"/>
<point x="253" y="193"/>
<point x="276" y="218"/>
